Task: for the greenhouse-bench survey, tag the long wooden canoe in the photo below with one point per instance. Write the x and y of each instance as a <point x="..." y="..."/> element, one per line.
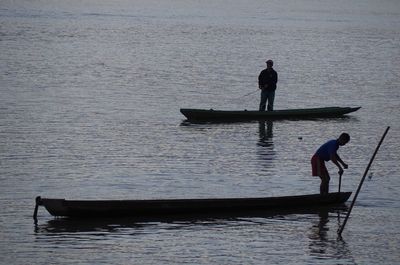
<point x="243" y="115"/>
<point x="160" y="208"/>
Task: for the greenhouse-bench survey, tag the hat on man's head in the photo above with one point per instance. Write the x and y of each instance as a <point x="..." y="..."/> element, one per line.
<point x="270" y="62"/>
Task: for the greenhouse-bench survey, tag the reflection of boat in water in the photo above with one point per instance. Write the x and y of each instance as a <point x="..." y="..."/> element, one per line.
<point x="114" y="224"/>
<point x="204" y="115"/>
<point x="148" y="209"/>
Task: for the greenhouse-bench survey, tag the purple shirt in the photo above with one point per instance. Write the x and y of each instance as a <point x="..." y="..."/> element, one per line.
<point x="327" y="150"/>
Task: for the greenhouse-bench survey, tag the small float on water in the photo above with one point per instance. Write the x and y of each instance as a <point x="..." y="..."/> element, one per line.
<point x="204" y="115"/>
<point x="142" y="209"/>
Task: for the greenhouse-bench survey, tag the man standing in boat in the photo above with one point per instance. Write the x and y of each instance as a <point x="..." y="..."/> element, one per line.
<point x="267" y="83"/>
<point x="328" y="151"/>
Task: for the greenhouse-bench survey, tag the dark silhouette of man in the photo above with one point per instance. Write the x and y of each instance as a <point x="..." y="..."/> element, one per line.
<point x="267" y="83"/>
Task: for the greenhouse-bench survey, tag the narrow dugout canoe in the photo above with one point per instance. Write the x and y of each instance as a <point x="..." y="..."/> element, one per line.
<point x="171" y="207"/>
<point x="243" y="115"/>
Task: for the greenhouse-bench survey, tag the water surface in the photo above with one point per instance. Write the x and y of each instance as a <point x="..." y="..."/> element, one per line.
<point x="89" y="109"/>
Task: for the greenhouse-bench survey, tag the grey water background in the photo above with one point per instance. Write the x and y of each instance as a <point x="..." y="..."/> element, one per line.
<point x="89" y="109"/>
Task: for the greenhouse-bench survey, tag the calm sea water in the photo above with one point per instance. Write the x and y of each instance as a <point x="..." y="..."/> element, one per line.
<point x="89" y="109"/>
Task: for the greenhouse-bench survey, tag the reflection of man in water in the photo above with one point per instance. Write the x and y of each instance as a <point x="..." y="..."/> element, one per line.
<point x="323" y="244"/>
<point x="267" y="83"/>
<point x="265" y="144"/>
<point x="321" y="228"/>
<point x="265" y="134"/>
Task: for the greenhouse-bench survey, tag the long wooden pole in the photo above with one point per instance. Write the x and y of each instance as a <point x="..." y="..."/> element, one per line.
<point x="361" y="182"/>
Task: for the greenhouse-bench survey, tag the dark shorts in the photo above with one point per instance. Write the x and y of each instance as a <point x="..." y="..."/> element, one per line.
<point x="318" y="167"/>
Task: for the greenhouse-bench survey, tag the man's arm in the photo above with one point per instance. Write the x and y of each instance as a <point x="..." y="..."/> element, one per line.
<point x="341" y="161"/>
<point x="337" y="160"/>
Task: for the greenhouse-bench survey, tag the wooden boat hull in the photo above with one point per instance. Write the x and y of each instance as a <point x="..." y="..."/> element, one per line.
<point x="243" y="115"/>
<point x="152" y="208"/>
